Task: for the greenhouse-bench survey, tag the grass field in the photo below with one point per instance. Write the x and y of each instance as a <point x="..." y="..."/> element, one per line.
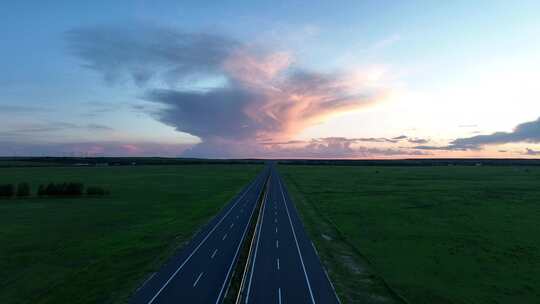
<point x="434" y="234"/>
<point x="97" y="250"/>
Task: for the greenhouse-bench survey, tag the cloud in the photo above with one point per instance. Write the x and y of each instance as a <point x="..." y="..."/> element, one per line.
<point x="525" y="132"/>
<point x="531" y="152"/>
<point x="41" y="128"/>
<point x="97" y="127"/>
<point x="262" y="94"/>
<point x="343" y="139"/>
<point x="145" y="52"/>
<point x="109" y="148"/>
<point x="329" y="147"/>
<point x="217" y="113"/>
<point x="437" y="148"/>
<point x="418" y="141"/>
<point x="400" y="137"/>
<point x="20" y="109"/>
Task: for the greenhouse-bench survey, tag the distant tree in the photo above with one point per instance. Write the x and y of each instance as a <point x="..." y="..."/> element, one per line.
<point x="42" y="190"/>
<point x="7" y="190"/>
<point x="74" y="189"/>
<point x="62" y="189"/>
<point x="23" y="190"/>
<point x="51" y="189"/>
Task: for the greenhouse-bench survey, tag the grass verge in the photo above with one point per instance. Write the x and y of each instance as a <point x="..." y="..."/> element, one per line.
<point x="350" y="271"/>
<point x="434" y="234"/>
<point x="98" y="250"/>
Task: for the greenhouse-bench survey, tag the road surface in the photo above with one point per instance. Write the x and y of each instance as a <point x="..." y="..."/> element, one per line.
<point x="284" y="266"/>
<point x="201" y="271"/>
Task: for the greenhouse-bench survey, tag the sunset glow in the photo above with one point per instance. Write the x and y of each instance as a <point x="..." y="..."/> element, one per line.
<point x="356" y="80"/>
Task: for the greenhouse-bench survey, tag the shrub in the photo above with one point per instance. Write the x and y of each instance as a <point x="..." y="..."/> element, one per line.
<point x="94" y="190"/>
<point x="50" y="189"/>
<point x="7" y="190"/>
<point x="23" y="190"/>
<point x="61" y="189"/>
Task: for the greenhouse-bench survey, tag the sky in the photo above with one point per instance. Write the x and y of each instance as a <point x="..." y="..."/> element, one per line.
<point x="270" y="79"/>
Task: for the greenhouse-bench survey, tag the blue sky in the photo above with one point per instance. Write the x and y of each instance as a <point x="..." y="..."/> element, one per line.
<point x="432" y="71"/>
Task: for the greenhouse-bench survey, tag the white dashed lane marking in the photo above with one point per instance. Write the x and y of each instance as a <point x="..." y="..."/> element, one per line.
<point x="197" y="280"/>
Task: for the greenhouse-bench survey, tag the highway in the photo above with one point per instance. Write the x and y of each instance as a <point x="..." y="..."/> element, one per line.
<point x="201" y="271"/>
<point x="284" y="266"/>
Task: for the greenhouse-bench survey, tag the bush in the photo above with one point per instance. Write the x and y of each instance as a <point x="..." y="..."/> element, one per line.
<point x="96" y="191"/>
<point x="61" y="189"/>
<point x="74" y="189"/>
<point x="23" y="190"/>
<point x="7" y="190"/>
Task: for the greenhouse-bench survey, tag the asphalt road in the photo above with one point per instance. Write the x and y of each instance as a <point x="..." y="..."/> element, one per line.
<point x="285" y="267"/>
<point x="201" y="271"/>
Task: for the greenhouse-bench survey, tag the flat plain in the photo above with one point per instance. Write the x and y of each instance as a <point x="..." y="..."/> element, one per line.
<point x="98" y="250"/>
<point x="456" y="234"/>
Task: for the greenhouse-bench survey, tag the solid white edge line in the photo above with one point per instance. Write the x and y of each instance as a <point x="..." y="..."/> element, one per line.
<point x="296" y="241"/>
<point x="236" y="254"/>
<point x="200" y="244"/>
<point x="147" y="280"/>
<point x="257" y="244"/>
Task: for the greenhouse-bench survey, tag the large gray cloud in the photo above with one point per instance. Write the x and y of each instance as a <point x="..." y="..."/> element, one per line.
<point x="525" y="132"/>
<point x="532" y="152"/>
<point x="206" y="114"/>
<point x="264" y="95"/>
<point x="528" y="132"/>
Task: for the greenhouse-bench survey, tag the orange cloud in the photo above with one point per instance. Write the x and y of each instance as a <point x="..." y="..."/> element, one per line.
<point x="291" y="99"/>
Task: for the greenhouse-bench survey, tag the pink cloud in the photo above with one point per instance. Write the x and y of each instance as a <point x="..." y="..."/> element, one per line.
<point x="291" y="99"/>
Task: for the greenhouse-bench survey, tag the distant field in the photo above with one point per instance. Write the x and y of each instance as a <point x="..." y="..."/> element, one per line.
<point x="434" y="234"/>
<point x="96" y="250"/>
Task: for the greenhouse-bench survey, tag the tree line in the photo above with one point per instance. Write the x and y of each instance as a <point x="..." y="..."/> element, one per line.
<point x="67" y="189"/>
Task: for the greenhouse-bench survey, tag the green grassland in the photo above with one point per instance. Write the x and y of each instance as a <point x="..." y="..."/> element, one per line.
<point x="432" y="234"/>
<point x="97" y="250"/>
